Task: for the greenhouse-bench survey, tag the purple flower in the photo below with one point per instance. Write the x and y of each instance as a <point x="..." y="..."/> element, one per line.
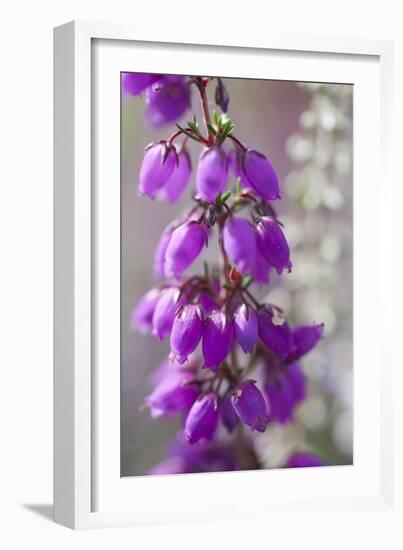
<point x="173" y="394"/>
<point x="221" y="96"/>
<point x="297" y="382"/>
<point x="260" y="175"/>
<point x="281" y="399"/>
<point x="272" y="244"/>
<point x="186" y="332"/>
<point x="178" y="180"/>
<point x="275" y="332"/>
<point x="303" y="460"/>
<point x="229" y="417"/>
<point x="218" y="334"/>
<point x="135" y="83"/>
<point x="306" y="338"/>
<point x="235" y="162"/>
<point x="142" y="316"/>
<point x="239" y="239"/>
<point x="202" y="420"/>
<point x="167" y="100"/>
<point x="164" y="314"/>
<point x="158" y="164"/>
<point x="185" y="245"/>
<point x="159" y="257"/>
<point x="245" y="327"/>
<point x="261" y="270"/>
<point x="207" y="303"/>
<point x="250" y="405"/>
<point x="285" y="389"/>
<point x="212" y="173"/>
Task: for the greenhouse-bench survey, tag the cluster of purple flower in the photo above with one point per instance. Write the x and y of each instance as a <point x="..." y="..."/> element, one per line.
<point x="212" y="318"/>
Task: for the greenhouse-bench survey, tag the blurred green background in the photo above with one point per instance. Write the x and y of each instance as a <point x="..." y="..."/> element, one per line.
<point x="306" y="132"/>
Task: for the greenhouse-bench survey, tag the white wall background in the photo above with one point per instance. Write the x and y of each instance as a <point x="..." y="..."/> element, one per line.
<point x="26" y="263"/>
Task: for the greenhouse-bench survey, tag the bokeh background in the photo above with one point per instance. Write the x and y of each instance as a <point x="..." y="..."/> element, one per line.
<point x="306" y="131"/>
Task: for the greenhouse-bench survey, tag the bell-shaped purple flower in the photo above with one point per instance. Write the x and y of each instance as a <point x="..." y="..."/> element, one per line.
<point x="202" y="420"/>
<point x="186" y="332"/>
<point x="260" y="175"/>
<point x="164" y="314"/>
<point x="275" y="332"/>
<point x="229" y="417"/>
<point x="184" y="247"/>
<point x="159" y="257"/>
<point x="272" y="244"/>
<point x="297" y="381"/>
<point x="177" y="182"/>
<point x="250" y="405"/>
<point x="167" y="100"/>
<point x="239" y="239"/>
<point x="142" y="316"/>
<point x="207" y="302"/>
<point x="246" y="327"/>
<point x="281" y="399"/>
<point x="235" y="163"/>
<point x="212" y="173"/>
<point x="306" y="337"/>
<point x="261" y="270"/>
<point x="158" y="164"/>
<point x="135" y="83"/>
<point x="174" y="393"/>
<point x="303" y="460"/>
<point x="218" y="334"/>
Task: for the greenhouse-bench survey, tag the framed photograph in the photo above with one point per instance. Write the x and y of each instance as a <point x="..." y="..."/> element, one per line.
<point x="220" y="301"/>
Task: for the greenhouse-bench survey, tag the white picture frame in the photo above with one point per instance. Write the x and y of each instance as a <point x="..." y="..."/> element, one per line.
<point x="88" y="491"/>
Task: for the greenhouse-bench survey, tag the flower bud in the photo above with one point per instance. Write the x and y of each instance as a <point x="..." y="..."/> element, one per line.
<point x="164" y="314"/>
<point x="135" y="83"/>
<point x="158" y="164"/>
<point x="159" y="257"/>
<point x="218" y="334"/>
<point x="202" y="420"/>
<point x="275" y="332"/>
<point x="184" y="247"/>
<point x="167" y="100"/>
<point x="178" y="180"/>
<point x="260" y="175"/>
<point x="303" y="460"/>
<point x="221" y="96"/>
<point x="235" y="163"/>
<point x="261" y="271"/>
<point x="212" y="173"/>
<point x="285" y="389"/>
<point x="246" y="327"/>
<point x="186" y="332"/>
<point x="142" y="316"/>
<point x="229" y="417"/>
<point x="239" y="239"/>
<point x="306" y="338"/>
<point x="174" y="393"/>
<point x="272" y="244"/>
<point x="250" y="405"/>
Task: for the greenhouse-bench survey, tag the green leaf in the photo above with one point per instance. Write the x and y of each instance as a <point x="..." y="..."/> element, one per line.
<point x="211" y="129"/>
<point x="225" y="196"/>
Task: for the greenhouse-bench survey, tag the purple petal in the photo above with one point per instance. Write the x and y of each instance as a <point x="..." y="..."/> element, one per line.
<point x="239" y="238"/>
<point x="176" y="185"/>
<point x="218" y="334"/>
<point x="185" y="245"/>
<point x="212" y="173"/>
